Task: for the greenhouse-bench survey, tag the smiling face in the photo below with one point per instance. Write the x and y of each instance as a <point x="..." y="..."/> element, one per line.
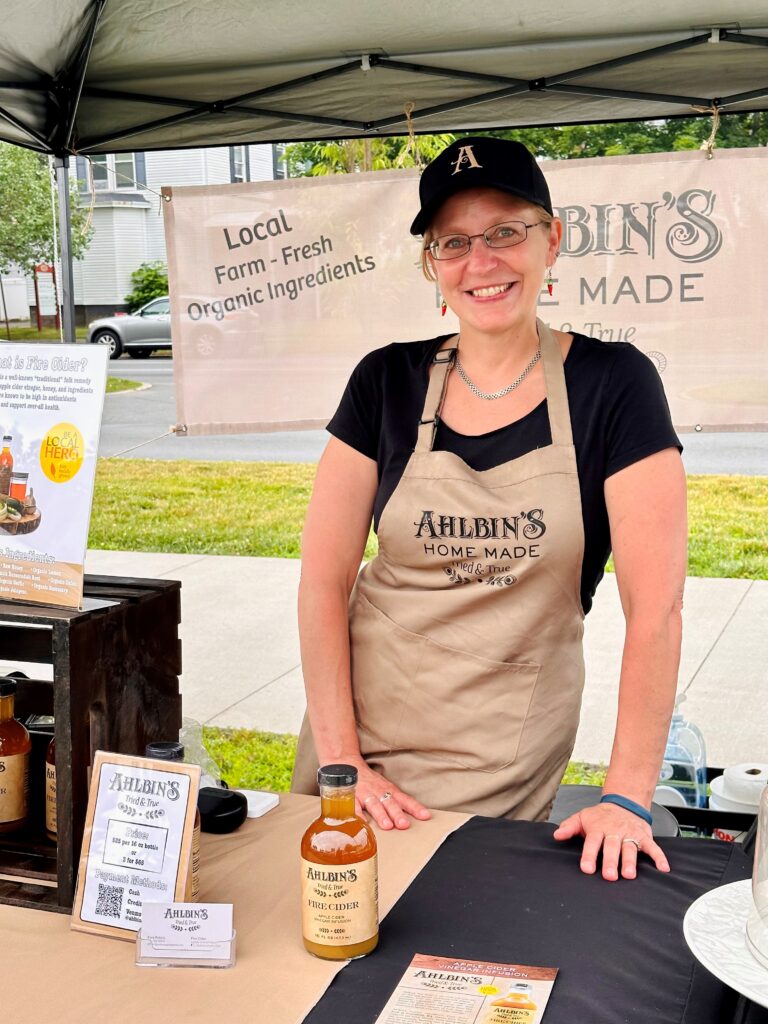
<point x="493" y="290"/>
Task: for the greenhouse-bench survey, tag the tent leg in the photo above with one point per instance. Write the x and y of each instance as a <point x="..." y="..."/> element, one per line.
<point x="61" y="164"/>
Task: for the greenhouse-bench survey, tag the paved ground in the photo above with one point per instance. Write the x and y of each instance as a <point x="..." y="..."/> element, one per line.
<point x="242" y="667"/>
<point x="141" y="418"/>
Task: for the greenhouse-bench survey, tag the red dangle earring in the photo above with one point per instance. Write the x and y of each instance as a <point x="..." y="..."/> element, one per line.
<point x="443" y="306"/>
<point x="549" y="281"/>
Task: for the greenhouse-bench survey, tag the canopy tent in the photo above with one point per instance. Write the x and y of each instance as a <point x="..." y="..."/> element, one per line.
<point x="103" y="76"/>
<point x="94" y="76"/>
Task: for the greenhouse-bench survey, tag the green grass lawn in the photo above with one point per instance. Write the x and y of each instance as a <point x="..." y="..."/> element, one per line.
<point x="257" y="508"/>
<point x="117" y="384"/>
<point x="264" y="760"/>
<point x="32" y="333"/>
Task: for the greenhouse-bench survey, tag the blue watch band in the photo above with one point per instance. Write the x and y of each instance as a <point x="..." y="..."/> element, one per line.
<point x="628" y="805"/>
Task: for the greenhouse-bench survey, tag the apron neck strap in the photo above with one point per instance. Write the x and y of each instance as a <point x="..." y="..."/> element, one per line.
<point x="554" y="379"/>
<point x="438" y="382"/>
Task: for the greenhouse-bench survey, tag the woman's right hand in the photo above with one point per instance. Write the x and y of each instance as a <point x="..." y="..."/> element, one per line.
<point x="388" y="805"/>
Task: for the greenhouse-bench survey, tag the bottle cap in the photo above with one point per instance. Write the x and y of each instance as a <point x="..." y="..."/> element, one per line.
<point x="7" y="686"/>
<point x="165" y="751"/>
<point x="337" y="775"/>
<point x="7" y="437"/>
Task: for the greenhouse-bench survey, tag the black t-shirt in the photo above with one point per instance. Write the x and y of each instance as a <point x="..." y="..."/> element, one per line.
<point x="619" y="415"/>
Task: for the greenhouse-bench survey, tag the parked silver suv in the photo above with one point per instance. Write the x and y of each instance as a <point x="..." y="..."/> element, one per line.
<point x="139" y="334"/>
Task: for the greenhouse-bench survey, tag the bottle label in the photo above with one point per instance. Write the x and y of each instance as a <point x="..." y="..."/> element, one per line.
<point x="14" y="772"/>
<point x="339" y="902"/>
<point x="50" y="798"/>
<point x="192" y="893"/>
<point x="510" y="1015"/>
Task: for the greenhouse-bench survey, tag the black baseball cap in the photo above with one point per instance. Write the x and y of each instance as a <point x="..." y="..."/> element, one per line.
<point x="477" y="161"/>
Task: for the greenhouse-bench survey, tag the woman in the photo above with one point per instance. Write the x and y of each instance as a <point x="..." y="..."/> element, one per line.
<point x="500" y="466"/>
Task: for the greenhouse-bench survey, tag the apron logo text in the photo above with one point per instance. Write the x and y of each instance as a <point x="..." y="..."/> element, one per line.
<point x="528" y="524"/>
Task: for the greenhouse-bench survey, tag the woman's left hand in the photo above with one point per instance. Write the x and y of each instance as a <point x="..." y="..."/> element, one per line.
<point x="621" y="836"/>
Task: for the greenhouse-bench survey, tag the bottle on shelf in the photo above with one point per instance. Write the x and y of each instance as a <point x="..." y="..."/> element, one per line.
<point x="683" y="776"/>
<point x="339" y="881"/>
<point x="6" y="465"/>
<point x="15" y="746"/>
<point x="51" y="829"/>
<point x="171" y="751"/>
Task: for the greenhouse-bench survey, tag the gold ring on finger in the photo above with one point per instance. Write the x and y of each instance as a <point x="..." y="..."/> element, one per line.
<point x="628" y="839"/>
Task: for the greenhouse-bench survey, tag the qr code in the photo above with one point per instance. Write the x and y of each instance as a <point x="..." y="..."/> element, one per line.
<point x="109" y="902"/>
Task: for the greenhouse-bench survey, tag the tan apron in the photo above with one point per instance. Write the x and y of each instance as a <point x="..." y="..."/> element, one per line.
<point x="466" y="629"/>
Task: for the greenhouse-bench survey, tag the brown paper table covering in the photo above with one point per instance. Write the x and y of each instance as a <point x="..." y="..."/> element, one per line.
<point x="49" y="972"/>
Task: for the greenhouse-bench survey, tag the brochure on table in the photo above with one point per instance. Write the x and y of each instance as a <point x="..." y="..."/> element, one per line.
<point x="137" y="842"/>
<point x="447" y="990"/>
<point x="51" y="401"/>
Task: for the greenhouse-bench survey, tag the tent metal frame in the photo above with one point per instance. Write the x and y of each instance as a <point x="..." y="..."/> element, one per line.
<point x="67" y="89"/>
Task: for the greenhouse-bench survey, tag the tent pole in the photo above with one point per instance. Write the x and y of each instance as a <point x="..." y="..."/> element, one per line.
<point x="61" y="163"/>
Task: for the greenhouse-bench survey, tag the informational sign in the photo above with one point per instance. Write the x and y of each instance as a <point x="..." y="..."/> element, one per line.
<point x="51" y="400"/>
<point x="137" y="841"/>
<point x="445" y="990"/>
<point x="279" y="288"/>
<point x="46" y="290"/>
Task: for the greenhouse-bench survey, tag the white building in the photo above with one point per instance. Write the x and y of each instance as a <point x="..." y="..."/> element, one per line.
<point x="123" y="191"/>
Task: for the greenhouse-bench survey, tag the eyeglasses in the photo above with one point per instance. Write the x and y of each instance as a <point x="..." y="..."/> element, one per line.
<point x="499" y="236"/>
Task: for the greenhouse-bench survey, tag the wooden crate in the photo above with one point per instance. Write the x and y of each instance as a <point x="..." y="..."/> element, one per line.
<point x="115" y="687"/>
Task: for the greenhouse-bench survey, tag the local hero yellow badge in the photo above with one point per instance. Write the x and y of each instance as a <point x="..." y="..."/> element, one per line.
<point x="61" y="453"/>
<point x="488" y="990"/>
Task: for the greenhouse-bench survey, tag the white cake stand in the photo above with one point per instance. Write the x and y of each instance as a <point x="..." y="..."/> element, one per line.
<point x="715" y="930"/>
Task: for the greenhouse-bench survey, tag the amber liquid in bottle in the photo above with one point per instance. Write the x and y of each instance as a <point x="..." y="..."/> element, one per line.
<point x="15" y="746"/>
<point x="51" y="828"/>
<point x="6" y="466"/>
<point x="339" y="880"/>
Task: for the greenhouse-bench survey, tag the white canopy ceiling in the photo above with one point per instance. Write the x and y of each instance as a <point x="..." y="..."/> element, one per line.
<point x="113" y="75"/>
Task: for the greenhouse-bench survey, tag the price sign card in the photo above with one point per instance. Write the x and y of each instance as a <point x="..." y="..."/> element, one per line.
<point x="186" y="935"/>
<point x="137" y="841"/>
<point x="443" y="990"/>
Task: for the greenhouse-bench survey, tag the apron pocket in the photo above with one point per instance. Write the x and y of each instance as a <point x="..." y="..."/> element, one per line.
<point x="411" y="693"/>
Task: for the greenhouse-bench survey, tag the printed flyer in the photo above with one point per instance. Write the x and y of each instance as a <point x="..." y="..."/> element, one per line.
<point x="443" y="990"/>
<point x="51" y="400"/>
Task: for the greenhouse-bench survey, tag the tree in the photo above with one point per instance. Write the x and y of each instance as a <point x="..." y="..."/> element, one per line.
<point x="562" y="142"/>
<point x="366" y="154"/>
<point x="149" y="281"/>
<point x="26" y="214"/>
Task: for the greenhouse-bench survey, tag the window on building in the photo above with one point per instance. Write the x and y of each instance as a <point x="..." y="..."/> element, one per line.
<point x="239" y="169"/>
<point x="111" y="172"/>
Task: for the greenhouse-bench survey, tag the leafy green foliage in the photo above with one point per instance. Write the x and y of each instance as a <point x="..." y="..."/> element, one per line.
<point x="369" y="154"/>
<point x="26" y="216"/>
<point x="557" y="143"/>
<point x="149" y="281"/>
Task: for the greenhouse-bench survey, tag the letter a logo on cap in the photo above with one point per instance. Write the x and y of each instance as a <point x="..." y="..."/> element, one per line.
<point x="466" y="156"/>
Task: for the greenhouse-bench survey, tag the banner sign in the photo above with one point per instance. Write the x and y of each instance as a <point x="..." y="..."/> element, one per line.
<point x="279" y="288"/>
<point x="51" y="399"/>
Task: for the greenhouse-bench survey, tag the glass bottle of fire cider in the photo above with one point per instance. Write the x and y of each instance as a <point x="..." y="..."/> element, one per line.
<point x="171" y="751"/>
<point x="339" y="881"/>
<point x="6" y="465"/>
<point x="15" y="746"/>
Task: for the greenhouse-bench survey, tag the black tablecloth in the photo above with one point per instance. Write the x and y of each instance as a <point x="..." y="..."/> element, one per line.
<point x="507" y="892"/>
